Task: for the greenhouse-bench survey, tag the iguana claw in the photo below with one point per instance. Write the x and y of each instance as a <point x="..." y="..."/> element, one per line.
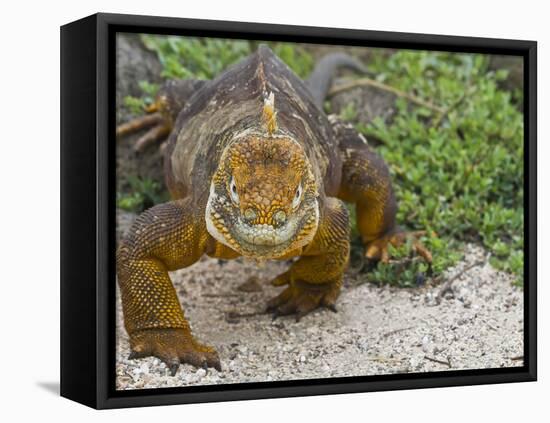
<point x="173" y="346"/>
<point x="378" y="249"/>
<point x="301" y="298"/>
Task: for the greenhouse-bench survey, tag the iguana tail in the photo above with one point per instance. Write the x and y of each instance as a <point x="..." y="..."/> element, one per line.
<point x="320" y="79"/>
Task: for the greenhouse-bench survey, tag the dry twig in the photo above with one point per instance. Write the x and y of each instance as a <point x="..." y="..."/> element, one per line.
<point x="362" y="82"/>
<point x="221" y="295"/>
<point x="393" y="332"/>
<point x="385" y="359"/>
<point x="517" y="358"/>
<point x="447" y="286"/>
<point x="435" y="360"/>
<point x="233" y="316"/>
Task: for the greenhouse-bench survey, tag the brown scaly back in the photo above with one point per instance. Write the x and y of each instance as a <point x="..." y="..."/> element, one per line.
<point x="232" y="103"/>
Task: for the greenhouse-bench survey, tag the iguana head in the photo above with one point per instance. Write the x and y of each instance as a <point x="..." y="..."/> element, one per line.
<point x="263" y="195"/>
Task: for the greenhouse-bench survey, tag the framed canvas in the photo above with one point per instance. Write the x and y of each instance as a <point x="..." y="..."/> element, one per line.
<point x="257" y="211"/>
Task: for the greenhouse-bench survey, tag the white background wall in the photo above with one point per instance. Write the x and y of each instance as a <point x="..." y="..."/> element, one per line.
<point x="29" y="209"/>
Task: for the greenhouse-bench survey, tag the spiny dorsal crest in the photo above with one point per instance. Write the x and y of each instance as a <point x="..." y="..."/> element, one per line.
<point x="269" y="115"/>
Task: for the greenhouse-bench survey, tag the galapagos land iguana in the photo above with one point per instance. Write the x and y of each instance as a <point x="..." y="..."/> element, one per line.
<point x="255" y="168"/>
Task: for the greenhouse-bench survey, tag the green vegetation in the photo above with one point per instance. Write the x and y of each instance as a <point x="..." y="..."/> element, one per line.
<point x="459" y="174"/>
<point x="205" y="58"/>
<point x="137" y="105"/>
<point x="198" y="58"/>
<point x="144" y="193"/>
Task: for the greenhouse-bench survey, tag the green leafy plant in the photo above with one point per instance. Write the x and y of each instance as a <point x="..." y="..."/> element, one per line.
<point x="199" y="58"/>
<point x="143" y="193"/>
<point x="459" y="175"/>
<point x="295" y="56"/>
<point x="137" y="105"/>
<point x="205" y="58"/>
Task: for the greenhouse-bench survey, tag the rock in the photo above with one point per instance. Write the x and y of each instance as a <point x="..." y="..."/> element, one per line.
<point x="414" y="362"/>
<point x="363" y="345"/>
<point x="200" y="373"/>
<point x="368" y="102"/>
<point x="134" y="63"/>
<point x="426" y="344"/>
<point x="124" y="220"/>
<point x="514" y="66"/>
<point x="189" y="378"/>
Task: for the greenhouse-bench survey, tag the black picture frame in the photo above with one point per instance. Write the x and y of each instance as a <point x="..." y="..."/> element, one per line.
<point x="88" y="210"/>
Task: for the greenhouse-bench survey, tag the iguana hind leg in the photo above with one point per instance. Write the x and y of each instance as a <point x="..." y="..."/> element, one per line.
<point x="166" y="237"/>
<point x="161" y="115"/>
<point x="315" y="279"/>
<point x="366" y="182"/>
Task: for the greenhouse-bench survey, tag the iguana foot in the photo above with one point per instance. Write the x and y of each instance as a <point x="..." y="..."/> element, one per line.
<point x="378" y="249"/>
<point x="173" y="346"/>
<point x="300" y="297"/>
<point x="158" y="128"/>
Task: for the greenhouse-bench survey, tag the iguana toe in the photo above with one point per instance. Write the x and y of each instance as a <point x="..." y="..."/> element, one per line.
<point x="301" y="298"/>
<point x="173" y="347"/>
<point x="378" y="250"/>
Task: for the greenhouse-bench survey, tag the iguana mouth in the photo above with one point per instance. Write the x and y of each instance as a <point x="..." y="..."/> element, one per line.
<point x="274" y="243"/>
<point x="260" y="240"/>
<point x="264" y="234"/>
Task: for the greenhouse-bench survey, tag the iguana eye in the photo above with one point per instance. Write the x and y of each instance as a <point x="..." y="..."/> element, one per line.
<point x="233" y="191"/>
<point x="297" y="197"/>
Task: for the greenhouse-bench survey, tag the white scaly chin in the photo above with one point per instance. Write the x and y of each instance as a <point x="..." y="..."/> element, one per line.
<point x="218" y="236"/>
<point x="210" y="227"/>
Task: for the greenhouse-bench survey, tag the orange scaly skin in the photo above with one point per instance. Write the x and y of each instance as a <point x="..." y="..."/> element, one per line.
<point x="255" y="169"/>
<point x="166" y="237"/>
<point x="316" y="278"/>
<point x="366" y="182"/>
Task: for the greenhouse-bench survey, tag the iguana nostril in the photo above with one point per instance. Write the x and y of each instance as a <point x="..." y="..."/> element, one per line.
<point x="279" y="217"/>
<point x="250" y="214"/>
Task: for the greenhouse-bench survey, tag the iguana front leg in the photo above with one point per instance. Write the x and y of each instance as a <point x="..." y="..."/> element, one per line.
<point x="164" y="238"/>
<point x="366" y="182"/>
<point x="316" y="278"/>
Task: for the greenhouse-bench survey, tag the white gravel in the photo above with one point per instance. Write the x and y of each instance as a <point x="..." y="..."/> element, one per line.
<point x="377" y="330"/>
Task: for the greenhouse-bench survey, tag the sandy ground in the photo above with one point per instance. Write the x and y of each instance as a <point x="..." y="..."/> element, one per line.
<point x="377" y="330"/>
